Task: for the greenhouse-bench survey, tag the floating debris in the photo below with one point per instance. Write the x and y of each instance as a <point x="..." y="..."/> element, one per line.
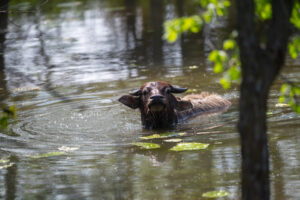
<point x="193" y="67"/>
<point x="154" y="136"/>
<point x="69" y="4"/>
<point x="26" y="89"/>
<point x="145" y="145"/>
<point x="163" y="135"/>
<point x="190" y="91"/>
<point x="215" y="194"/>
<point x="68" y="149"/>
<point x="7" y="166"/>
<point x="173" y="140"/>
<point x="50" y="154"/>
<point x="218" y="143"/>
<point x="188" y="146"/>
<point x="3" y="161"/>
<point x="282" y="105"/>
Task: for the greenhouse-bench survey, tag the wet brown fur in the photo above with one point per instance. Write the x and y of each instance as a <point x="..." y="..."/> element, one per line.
<point x="175" y="109"/>
<point x="202" y="103"/>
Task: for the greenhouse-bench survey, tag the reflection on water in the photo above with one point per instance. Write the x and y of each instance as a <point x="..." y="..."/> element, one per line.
<point x="66" y="64"/>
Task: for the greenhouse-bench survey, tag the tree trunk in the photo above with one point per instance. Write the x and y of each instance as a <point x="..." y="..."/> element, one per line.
<point x="252" y="128"/>
<point x="259" y="69"/>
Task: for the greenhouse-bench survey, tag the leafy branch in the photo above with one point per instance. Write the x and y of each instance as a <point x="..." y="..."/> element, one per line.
<point x="227" y="60"/>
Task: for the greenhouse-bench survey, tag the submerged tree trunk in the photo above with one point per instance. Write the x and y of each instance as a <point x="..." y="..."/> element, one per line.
<point x="260" y="66"/>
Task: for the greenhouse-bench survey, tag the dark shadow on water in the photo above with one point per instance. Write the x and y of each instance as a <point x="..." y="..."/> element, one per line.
<point x="157" y="20"/>
<point x="3" y="29"/>
<point x="11" y="179"/>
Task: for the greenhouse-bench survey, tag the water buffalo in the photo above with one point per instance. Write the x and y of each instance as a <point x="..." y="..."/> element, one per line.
<point x="160" y="109"/>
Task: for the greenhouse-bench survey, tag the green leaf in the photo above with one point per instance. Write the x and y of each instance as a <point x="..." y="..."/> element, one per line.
<point x="234" y="73"/>
<point x="195" y="29"/>
<point x="294" y="46"/>
<point x="226" y="3"/>
<point x="281" y="99"/>
<point x="145" y="145"/>
<point x="215" y="194"/>
<point x="266" y="12"/>
<point x="207" y="16"/>
<point x="222" y="56"/>
<point x="187" y="24"/>
<point x="296" y="108"/>
<point x="289" y="94"/>
<point x="46" y="155"/>
<point x="219" y="11"/>
<point x="171" y="36"/>
<point x="189" y="146"/>
<point x="285" y="88"/>
<point x="228" y="44"/>
<point x="291" y="102"/>
<point x="295" y="16"/>
<point x="213" y="55"/>
<point x="218" y="67"/>
<point x="292" y="51"/>
<point x="225" y="83"/>
<point x="263" y="9"/>
<point x="296" y="90"/>
<point x="175" y="27"/>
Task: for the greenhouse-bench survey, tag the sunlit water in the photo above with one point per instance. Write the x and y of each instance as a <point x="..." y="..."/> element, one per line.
<point x="65" y="71"/>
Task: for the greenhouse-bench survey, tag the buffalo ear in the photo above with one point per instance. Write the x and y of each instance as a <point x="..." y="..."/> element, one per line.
<point x="177" y="89"/>
<point x="130" y="101"/>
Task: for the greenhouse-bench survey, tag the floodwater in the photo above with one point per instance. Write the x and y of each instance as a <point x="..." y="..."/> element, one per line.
<point x="64" y="67"/>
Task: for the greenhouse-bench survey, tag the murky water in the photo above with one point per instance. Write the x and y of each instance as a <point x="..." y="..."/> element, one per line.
<point x="66" y="65"/>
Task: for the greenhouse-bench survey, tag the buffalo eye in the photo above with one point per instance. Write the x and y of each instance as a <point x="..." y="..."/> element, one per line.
<point x="145" y="92"/>
<point x="167" y="90"/>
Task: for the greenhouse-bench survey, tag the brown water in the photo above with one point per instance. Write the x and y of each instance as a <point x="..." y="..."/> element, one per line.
<point x="65" y="67"/>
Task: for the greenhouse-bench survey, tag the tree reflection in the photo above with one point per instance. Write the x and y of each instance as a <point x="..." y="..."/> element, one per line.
<point x="157" y="20"/>
<point x="130" y="6"/>
<point x="11" y="179"/>
<point x="277" y="169"/>
<point x="3" y="29"/>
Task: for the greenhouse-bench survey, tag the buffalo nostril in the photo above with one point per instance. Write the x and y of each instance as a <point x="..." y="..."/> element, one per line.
<point x="156" y="97"/>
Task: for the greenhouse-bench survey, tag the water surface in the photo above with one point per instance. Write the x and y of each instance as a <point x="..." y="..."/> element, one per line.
<point x="65" y="66"/>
